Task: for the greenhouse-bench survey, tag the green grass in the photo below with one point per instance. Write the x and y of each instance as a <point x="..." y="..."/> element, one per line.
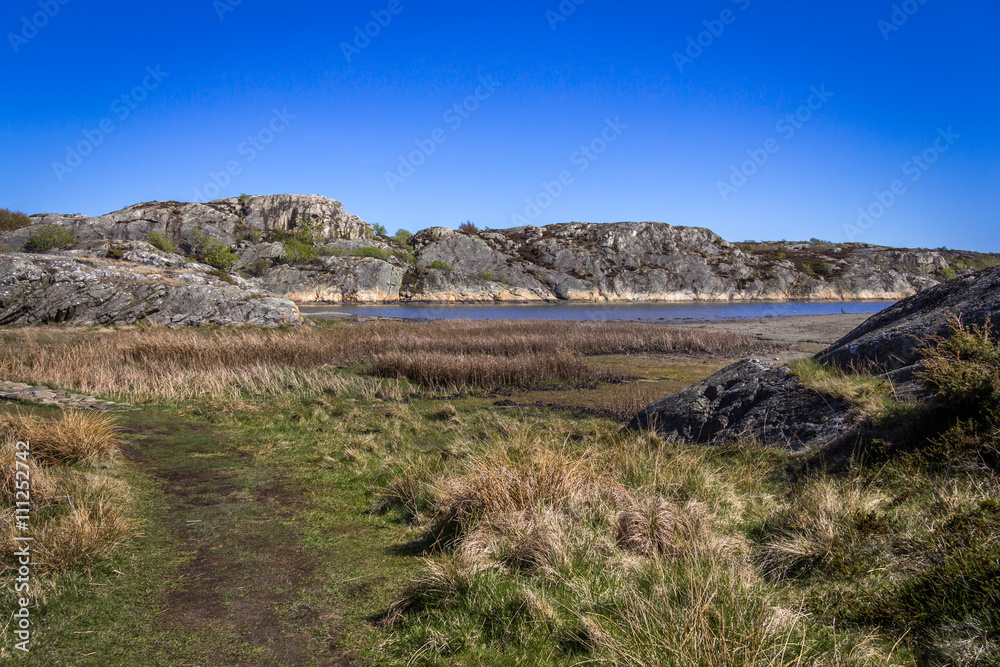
<point x="383" y="521"/>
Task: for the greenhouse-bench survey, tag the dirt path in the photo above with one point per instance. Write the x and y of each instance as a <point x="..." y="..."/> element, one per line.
<point x="241" y="595"/>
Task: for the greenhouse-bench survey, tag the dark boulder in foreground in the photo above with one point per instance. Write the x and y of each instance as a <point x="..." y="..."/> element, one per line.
<point x="751" y="400"/>
<point x="892" y="339"/>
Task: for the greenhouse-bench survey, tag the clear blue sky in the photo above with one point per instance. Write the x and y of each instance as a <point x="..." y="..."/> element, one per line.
<point x="344" y="119"/>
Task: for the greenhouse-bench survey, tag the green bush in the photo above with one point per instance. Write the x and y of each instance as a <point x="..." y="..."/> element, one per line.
<point x="825" y="269"/>
<point x="218" y="256"/>
<point x="47" y="237"/>
<point x="438" y="264"/>
<point x="212" y="252"/>
<point x="947" y="273"/>
<point x="161" y="241"/>
<point x="403" y="237"/>
<point x="11" y="220"/>
<point x="379" y="229"/>
<point x="244" y="198"/>
<point x="963" y="370"/>
<point x="329" y="251"/>
<point x="485" y="275"/>
<point x="297" y="252"/>
<point x="370" y="251"/>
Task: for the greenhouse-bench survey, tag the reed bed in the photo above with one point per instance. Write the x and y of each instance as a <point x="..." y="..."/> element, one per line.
<point x="141" y="364"/>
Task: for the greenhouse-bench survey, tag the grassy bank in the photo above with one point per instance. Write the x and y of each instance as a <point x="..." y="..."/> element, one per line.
<point x="298" y="508"/>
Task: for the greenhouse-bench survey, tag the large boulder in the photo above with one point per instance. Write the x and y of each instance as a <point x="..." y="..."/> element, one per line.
<point x="751" y="400"/>
<point x="52" y="289"/>
<point x="893" y="338"/>
<point x="755" y="399"/>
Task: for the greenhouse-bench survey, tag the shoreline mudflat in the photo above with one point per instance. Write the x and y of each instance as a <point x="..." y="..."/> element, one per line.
<point x="804" y="335"/>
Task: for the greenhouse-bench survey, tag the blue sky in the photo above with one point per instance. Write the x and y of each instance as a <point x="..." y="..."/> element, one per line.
<point x="596" y="112"/>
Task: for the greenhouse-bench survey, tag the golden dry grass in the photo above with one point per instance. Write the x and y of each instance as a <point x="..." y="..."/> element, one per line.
<point x="41" y="484"/>
<point x="74" y="435"/>
<point x="78" y="515"/>
<point x="137" y="364"/>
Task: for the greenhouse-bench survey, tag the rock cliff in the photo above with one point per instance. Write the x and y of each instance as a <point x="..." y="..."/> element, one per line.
<point x="80" y="289"/>
<point x="308" y="248"/>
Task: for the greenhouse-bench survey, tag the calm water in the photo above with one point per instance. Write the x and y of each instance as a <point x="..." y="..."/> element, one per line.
<point x="592" y="311"/>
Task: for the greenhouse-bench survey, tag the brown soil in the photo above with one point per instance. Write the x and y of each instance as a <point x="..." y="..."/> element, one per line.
<point x="239" y="593"/>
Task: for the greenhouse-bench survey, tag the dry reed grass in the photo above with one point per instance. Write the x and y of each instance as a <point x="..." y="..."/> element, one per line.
<point x="826" y="522"/>
<point x="78" y="516"/>
<point x="94" y="523"/>
<point x="42" y="486"/>
<point x="152" y="363"/>
<point x="73" y="436"/>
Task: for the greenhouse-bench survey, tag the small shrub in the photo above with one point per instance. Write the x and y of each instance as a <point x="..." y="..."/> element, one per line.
<point x="947" y="273"/>
<point x="297" y="252"/>
<point x="329" y="251"/>
<point x="443" y="266"/>
<point x="217" y="255"/>
<point x="214" y="253"/>
<point x="825" y="269"/>
<point x="47" y="237"/>
<point x="258" y="267"/>
<point x="161" y="242"/>
<point x="485" y="275"/>
<point x="469" y="227"/>
<point x="380" y="229"/>
<point x="11" y="220"/>
<point x="244" y="198"/>
<point x="372" y="252"/>
<point x="116" y="253"/>
<point x="963" y="370"/>
<point x="403" y="237"/>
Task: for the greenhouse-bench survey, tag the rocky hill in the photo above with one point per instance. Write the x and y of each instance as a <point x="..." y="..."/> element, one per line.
<point x="309" y="249"/>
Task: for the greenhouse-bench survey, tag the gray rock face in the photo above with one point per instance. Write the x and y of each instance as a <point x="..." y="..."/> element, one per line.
<point x="50" y="289"/>
<point x="335" y="279"/>
<point x="893" y="338"/>
<point x="648" y="261"/>
<point x="628" y="261"/>
<point x="224" y="220"/>
<point x="749" y="399"/>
